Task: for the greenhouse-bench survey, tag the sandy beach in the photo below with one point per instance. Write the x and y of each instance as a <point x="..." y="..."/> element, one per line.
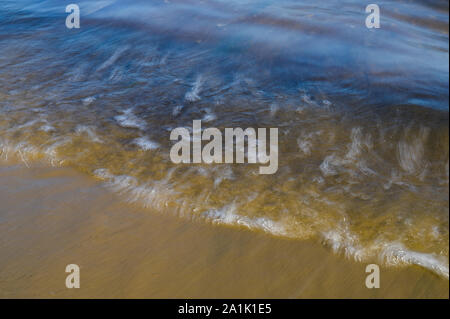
<point x="52" y="217"/>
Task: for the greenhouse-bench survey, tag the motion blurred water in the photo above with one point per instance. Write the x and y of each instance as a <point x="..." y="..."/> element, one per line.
<point x="362" y="113"/>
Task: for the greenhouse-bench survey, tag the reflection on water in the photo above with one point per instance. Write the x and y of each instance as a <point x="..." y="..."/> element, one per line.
<point x="362" y="114"/>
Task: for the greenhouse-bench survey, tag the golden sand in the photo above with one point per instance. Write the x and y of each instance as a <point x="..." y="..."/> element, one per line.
<point x="52" y="217"/>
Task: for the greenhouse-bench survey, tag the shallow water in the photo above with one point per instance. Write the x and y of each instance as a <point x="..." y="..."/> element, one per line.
<point x="362" y="114"/>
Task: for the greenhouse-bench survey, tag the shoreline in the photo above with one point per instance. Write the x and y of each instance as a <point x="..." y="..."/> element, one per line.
<point x="52" y="217"/>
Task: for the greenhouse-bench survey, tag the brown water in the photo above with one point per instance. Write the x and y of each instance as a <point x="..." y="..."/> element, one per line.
<point x="362" y="114"/>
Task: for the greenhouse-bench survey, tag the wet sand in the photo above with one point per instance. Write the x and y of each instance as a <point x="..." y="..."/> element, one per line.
<point x="52" y="217"/>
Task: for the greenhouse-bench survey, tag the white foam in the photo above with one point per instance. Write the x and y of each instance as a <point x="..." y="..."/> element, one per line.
<point x="51" y="150"/>
<point x="193" y="94"/>
<point x="389" y="254"/>
<point x="307" y="99"/>
<point x="177" y="110"/>
<point x="113" y="58"/>
<point x="209" y="116"/>
<point x="359" y="142"/>
<point x="47" y="128"/>
<point x="145" y="143"/>
<point x="328" y="166"/>
<point x="305" y="143"/>
<point x="326" y="103"/>
<point x="130" y="120"/>
<point x="27" y="152"/>
<point x="411" y="153"/>
<point x="156" y="194"/>
<point x="27" y="124"/>
<point x="224" y="173"/>
<point x="90" y="131"/>
<point x="227" y="215"/>
<point x="342" y="240"/>
<point x="274" y="109"/>
<point x="88" y="100"/>
<point x="397" y="254"/>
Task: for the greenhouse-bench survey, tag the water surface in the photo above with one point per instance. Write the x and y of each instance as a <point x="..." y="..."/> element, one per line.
<point x="362" y="113"/>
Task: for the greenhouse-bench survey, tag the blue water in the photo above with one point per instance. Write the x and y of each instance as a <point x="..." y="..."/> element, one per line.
<point x="292" y="44"/>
